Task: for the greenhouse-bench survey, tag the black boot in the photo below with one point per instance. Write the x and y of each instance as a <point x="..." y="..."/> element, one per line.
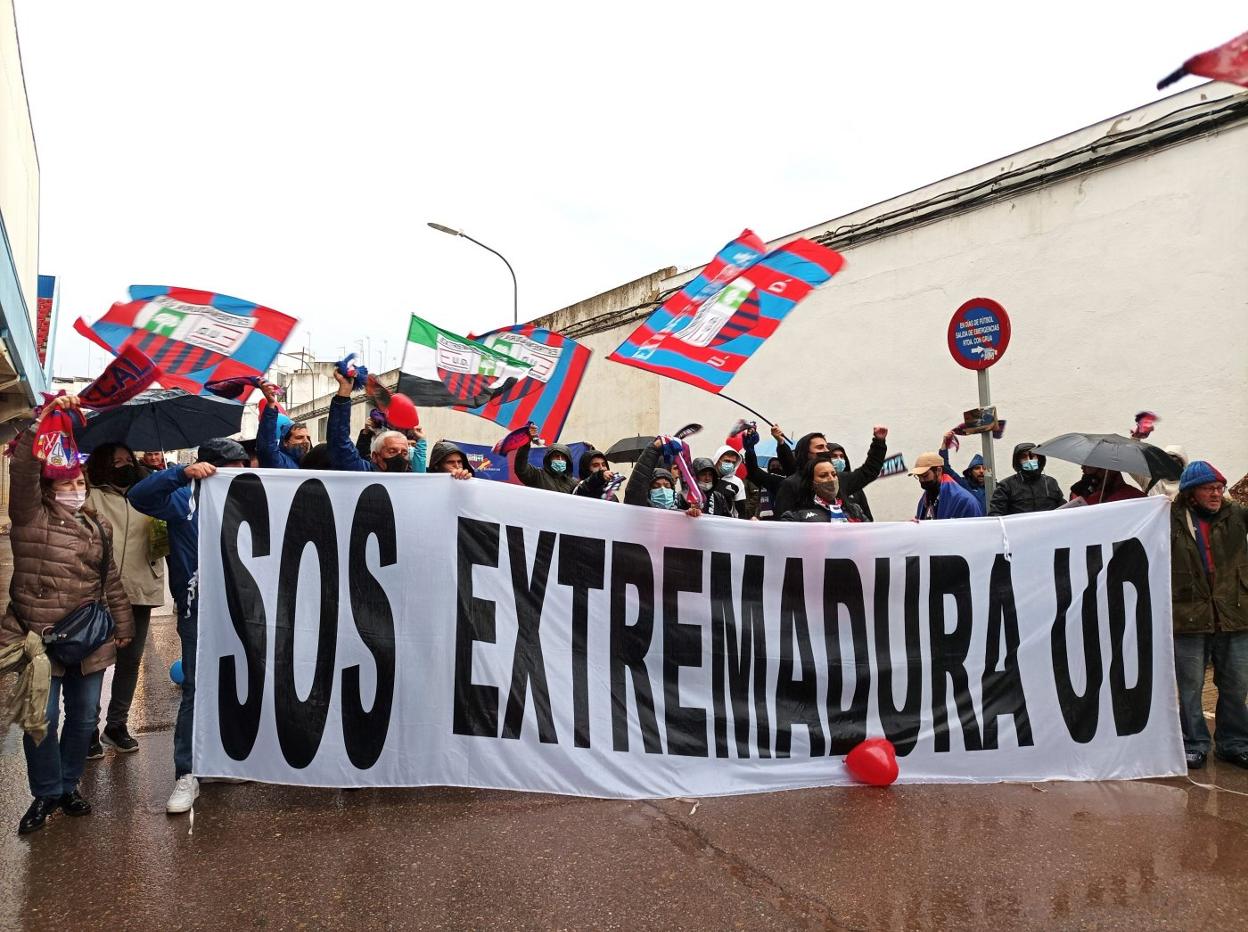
<point x="37" y="814"/>
<point x="95" y="750"/>
<point x="74" y="804"/>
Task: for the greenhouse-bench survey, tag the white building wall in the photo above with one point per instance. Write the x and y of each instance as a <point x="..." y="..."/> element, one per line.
<point x="1127" y="288"/>
<point x="19" y="164"/>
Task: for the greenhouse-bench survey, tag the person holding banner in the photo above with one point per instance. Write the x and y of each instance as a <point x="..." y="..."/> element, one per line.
<point x="389" y="449"/>
<point x="596" y="477"/>
<point x="1209" y="578"/>
<point x="139" y="556"/>
<point x="169" y="496"/>
<point x="62" y="559"/>
<point x="942" y="497"/>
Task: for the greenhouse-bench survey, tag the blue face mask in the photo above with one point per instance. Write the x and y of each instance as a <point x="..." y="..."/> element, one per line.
<point x="839" y="464"/>
<point x="1030" y="465"/>
<point x="559" y="466"/>
<point x="727" y="469"/>
<point x="663" y="498"/>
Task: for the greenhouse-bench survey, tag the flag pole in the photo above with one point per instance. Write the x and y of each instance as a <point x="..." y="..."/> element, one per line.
<point x="741" y="404"/>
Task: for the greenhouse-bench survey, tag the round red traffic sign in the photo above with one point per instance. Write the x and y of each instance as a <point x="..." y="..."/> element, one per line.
<point x="979" y="333"/>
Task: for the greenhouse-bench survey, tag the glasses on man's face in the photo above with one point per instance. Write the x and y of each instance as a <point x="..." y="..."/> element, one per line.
<point x="1214" y="488"/>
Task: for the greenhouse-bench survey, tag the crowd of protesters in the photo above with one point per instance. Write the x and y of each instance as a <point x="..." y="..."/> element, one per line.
<point x="119" y="529"/>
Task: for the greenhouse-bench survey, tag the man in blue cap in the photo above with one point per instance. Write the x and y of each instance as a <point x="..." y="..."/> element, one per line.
<point x="1209" y="570"/>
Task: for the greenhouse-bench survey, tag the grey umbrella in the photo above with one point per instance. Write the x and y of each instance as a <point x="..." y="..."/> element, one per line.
<point x="1112" y="451"/>
<point x="161" y="419"/>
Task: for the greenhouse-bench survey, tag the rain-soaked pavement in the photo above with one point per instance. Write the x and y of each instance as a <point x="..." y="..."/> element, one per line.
<point x="1139" y="855"/>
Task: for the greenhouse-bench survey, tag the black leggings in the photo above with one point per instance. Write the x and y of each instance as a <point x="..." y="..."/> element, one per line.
<point x="126" y="672"/>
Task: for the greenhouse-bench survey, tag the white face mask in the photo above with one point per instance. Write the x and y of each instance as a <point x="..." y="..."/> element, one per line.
<point x="72" y="500"/>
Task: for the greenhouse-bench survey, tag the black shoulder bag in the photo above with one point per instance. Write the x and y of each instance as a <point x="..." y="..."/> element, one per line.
<point x="88" y="627"/>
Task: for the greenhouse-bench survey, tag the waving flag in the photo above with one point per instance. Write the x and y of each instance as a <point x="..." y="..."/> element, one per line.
<point x="193" y="337"/>
<point x="704" y="333"/>
<point x="1228" y="62"/>
<point x="544" y="396"/>
<point x="441" y="369"/>
<point x="123" y="378"/>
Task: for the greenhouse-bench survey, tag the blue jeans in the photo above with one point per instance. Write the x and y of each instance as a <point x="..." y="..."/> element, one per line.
<point x="54" y="765"/>
<point x="1229" y="654"/>
<point x="188" y="632"/>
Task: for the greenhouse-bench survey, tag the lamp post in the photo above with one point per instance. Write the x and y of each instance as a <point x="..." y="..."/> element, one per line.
<point x="515" y="289"/>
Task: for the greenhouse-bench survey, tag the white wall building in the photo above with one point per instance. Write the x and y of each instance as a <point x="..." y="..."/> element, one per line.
<point x="1118" y="250"/>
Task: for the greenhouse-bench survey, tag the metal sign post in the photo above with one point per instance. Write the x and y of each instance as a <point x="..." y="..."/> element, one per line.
<point x="978" y="335"/>
<point x="990" y="459"/>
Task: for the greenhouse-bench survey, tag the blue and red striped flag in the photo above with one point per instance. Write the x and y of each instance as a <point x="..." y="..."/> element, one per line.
<point x="545" y="395"/>
<point x="704" y="333"/>
<point x="193" y="337"/>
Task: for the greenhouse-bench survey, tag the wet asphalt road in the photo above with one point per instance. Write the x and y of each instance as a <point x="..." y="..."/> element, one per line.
<point x="1139" y="855"/>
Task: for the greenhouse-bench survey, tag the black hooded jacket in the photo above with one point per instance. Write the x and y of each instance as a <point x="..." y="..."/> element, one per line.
<point x="1024" y="492"/>
<point x="853" y="481"/>
<point x="591" y="484"/>
<point x="545" y="478"/>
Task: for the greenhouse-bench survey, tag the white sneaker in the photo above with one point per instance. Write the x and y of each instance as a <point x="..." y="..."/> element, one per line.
<point x="184" y="794"/>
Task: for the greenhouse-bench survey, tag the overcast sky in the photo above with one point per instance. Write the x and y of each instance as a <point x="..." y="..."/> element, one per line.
<point x="291" y="152"/>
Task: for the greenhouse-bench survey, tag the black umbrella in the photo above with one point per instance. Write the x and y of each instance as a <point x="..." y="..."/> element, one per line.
<point x="629" y="449"/>
<point x="1112" y="451"/>
<point x="161" y="419"/>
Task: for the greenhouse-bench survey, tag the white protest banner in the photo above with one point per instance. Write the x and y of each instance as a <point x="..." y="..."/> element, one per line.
<point x="357" y="629"/>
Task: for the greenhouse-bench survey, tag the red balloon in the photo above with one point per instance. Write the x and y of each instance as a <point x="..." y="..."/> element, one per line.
<point x="873" y="762"/>
<point x="401" y="412"/>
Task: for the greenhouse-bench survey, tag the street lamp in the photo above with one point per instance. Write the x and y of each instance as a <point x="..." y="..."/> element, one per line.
<point x="515" y="289"/>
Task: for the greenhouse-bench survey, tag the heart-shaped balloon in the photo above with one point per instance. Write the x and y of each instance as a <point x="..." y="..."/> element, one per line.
<point x="873" y="762"/>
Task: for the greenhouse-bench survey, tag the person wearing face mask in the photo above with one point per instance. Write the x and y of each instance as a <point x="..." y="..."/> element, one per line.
<point x="1209" y="591"/>
<point x="1029" y="489"/>
<point x="280" y="442"/>
<point x="556" y="472"/>
<point x="139" y="555"/>
<point x="60" y="550"/>
<point x="651" y="486"/>
<point x="1103" y="485"/>
<point x="942" y="497"/>
<point x="820" y="497"/>
<point x="388" y="451"/>
<point x="728" y="483"/>
<point x="714" y="490"/>
<point x="853" y="481"/>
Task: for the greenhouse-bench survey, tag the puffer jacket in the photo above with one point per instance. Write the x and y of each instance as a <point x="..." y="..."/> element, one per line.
<point x="545" y="478"/>
<point x="142" y="577"/>
<point x="1023" y="492"/>
<point x="56" y="563"/>
<point x="1194" y="599"/>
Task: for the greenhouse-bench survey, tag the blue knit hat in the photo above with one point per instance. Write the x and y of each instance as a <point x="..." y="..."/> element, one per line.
<point x="1198" y="473"/>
